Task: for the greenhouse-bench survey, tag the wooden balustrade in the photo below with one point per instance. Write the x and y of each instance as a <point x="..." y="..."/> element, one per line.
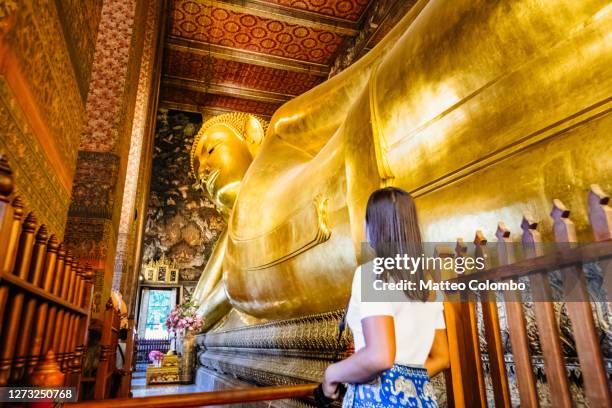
<point x="568" y="258"/>
<point x="201" y="399"/>
<point x="45" y="298"/>
<point x="128" y="363"/>
<point x="108" y="351"/>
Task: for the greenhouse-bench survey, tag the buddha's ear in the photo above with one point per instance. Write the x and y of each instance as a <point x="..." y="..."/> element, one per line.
<point x="254" y="132"/>
<point x="196" y="151"/>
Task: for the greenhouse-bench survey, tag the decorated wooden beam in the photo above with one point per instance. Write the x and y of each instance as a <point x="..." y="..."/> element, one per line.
<point x="223" y="89"/>
<point x="245" y="56"/>
<point x="205" y="110"/>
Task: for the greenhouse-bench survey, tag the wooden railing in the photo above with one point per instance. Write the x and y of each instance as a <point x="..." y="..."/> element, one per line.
<point x="201" y="399"/>
<point x="128" y="363"/>
<point x="568" y="258"/>
<point x="108" y="351"/>
<point x="45" y="298"/>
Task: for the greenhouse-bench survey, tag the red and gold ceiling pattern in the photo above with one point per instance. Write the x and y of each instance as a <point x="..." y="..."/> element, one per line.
<point x="244" y="31"/>
<point x="229" y="103"/>
<point x="346" y="9"/>
<point x="195" y="66"/>
<point x="293" y="44"/>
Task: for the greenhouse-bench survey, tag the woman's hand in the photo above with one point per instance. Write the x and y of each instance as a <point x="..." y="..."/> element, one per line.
<point x="330" y="388"/>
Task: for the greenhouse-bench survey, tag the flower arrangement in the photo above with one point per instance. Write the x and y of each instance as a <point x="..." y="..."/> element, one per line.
<point x="156" y="355"/>
<point x="183" y="317"/>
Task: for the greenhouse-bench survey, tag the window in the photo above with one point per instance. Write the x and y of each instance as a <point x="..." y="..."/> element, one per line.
<point x="160" y="303"/>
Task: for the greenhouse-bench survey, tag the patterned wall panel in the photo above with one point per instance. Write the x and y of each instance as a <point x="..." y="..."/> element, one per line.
<point x="346" y="9"/>
<point x="80" y="21"/>
<point x="105" y="110"/>
<point x="230" y="103"/>
<point x="104" y="146"/>
<point x="228" y="28"/>
<point x="43" y="60"/>
<point x="195" y="66"/>
<point x="128" y="221"/>
<point x="99" y="169"/>
<point x="35" y="177"/>
<point x="42" y="106"/>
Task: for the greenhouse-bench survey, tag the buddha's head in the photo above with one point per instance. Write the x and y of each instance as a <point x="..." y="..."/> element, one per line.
<point x="223" y="151"/>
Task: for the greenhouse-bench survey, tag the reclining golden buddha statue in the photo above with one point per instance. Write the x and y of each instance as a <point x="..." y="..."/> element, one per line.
<point x="480" y="109"/>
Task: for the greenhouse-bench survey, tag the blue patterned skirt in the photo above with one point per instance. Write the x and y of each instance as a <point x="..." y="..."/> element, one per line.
<point x="401" y="386"/>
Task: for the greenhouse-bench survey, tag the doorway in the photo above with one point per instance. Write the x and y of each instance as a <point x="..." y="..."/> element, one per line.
<point x="155" y="306"/>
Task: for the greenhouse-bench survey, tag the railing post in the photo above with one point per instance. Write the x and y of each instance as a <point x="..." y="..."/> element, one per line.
<point x="490" y="318"/>
<point x="554" y="364"/>
<point x="600" y="213"/>
<point x="470" y="305"/>
<point x="6" y="209"/>
<point x="579" y="310"/>
<point x="6" y="222"/>
<point x="517" y="326"/>
<point x="106" y="348"/>
<point x="468" y="391"/>
<point x="15" y="309"/>
<point x="36" y="343"/>
<point x="600" y="218"/>
<point x="47" y="373"/>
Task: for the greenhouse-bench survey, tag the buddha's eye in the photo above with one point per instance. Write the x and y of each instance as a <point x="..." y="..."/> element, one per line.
<point x="212" y="149"/>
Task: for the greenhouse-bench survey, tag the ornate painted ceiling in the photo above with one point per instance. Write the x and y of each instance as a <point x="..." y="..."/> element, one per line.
<point x="254" y="55"/>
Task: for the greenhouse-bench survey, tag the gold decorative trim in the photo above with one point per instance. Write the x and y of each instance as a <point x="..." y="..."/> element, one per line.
<point x="161" y="271"/>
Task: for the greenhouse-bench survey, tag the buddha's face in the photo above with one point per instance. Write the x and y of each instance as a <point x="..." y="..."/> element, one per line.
<point x="222" y="160"/>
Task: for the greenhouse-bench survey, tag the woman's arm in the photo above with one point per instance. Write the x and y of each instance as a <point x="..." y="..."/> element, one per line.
<point x="438" y="358"/>
<point x="377" y="356"/>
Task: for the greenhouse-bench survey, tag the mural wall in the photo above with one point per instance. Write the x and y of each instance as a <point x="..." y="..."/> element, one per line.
<point x="181" y="223"/>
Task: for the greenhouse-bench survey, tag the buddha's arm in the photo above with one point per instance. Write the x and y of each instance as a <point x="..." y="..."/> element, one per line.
<point x="212" y="273"/>
<point x="214" y="306"/>
<point x="310" y="120"/>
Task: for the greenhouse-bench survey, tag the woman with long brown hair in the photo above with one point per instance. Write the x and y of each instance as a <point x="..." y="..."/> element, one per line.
<point x="399" y="345"/>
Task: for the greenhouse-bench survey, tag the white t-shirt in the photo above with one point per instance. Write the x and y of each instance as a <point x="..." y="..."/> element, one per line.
<point x="415" y="323"/>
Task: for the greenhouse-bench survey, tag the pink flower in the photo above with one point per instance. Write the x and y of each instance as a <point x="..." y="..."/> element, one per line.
<point x="184" y="317"/>
<point x="156" y="355"/>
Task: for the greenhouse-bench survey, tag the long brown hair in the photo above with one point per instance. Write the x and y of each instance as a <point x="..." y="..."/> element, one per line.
<point x="393" y="229"/>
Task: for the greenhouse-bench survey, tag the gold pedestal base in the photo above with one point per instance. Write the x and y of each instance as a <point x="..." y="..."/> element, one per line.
<point x="166" y="374"/>
<point x="162" y="375"/>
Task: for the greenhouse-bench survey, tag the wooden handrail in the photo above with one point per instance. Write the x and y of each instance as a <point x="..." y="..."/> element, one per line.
<point x="40" y="293"/>
<point x="569" y="256"/>
<point x="199" y="399"/>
